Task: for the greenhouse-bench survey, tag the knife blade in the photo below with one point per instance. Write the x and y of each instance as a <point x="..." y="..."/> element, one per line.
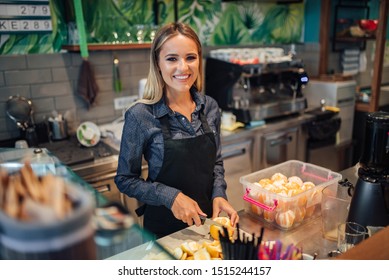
<point x="203" y="230"/>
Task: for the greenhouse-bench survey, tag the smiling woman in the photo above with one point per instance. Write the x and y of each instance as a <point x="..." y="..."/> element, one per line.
<point x="177" y="131"/>
<point x="179" y="63"/>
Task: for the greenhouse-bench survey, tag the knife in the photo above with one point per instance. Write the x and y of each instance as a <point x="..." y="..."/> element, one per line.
<point x="205" y="226"/>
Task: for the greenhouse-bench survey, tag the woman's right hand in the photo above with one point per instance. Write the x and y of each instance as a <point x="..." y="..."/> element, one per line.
<point x="187" y="210"/>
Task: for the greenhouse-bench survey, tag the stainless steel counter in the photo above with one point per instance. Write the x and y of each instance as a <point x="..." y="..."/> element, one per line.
<point x="269" y="126"/>
<point x="308" y="236"/>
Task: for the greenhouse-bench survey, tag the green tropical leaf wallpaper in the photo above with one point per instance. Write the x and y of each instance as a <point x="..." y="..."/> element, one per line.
<point x="119" y="21"/>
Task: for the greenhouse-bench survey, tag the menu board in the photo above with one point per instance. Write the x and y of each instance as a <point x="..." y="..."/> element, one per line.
<point x="25" y="16"/>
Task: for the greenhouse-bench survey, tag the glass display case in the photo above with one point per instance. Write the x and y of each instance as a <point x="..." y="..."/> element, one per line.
<point x="100" y="237"/>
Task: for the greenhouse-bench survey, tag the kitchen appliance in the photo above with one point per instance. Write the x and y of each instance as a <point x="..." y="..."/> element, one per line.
<point x="96" y="165"/>
<point x="370" y="201"/>
<point x="340" y="94"/>
<point x="20" y="110"/>
<point x="257" y="91"/>
<point x="335" y="151"/>
<point x="279" y="146"/>
<point x="238" y="161"/>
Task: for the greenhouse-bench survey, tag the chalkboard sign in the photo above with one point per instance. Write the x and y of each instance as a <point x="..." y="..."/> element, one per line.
<point x="25" y="17"/>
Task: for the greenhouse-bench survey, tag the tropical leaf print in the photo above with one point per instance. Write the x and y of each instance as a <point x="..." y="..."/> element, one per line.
<point x="230" y="30"/>
<point x="281" y="24"/>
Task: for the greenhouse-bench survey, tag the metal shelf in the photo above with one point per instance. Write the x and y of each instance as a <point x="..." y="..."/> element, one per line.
<point x="105" y="47"/>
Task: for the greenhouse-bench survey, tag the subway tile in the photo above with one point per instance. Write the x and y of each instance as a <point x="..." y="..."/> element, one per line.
<point x="96" y="112"/>
<point x="101" y="71"/>
<point x="101" y="58"/>
<point x="9" y="134"/>
<point x="65" y="74"/>
<point x="104" y="84"/>
<point x="3" y="106"/>
<point x="76" y="59"/>
<point x="43" y="104"/>
<point x="135" y="56"/>
<point x="12" y="62"/>
<point x="139" y="69"/>
<point x="6" y="92"/>
<point x="47" y="60"/>
<point x="42" y="116"/>
<point x="106" y="98"/>
<point x="54" y="89"/>
<point x="2" y="82"/>
<point x="9" y="126"/>
<point x="63" y="103"/>
<point x="25" y="77"/>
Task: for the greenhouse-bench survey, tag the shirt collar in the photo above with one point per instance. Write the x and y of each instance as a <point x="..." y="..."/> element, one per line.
<point x="160" y="108"/>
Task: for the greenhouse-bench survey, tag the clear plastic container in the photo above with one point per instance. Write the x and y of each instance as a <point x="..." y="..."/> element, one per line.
<point x="283" y="211"/>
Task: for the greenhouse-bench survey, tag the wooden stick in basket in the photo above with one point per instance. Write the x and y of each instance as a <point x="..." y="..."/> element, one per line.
<point x="56" y="188"/>
<point x="3" y="184"/>
<point x="31" y="181"/>
<point x="11" y="203"/>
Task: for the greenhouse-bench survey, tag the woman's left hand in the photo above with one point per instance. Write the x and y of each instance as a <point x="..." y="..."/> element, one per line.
<point x="220" y="204"/>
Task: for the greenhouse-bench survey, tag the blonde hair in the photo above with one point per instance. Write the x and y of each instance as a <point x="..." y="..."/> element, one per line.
<point x="155" y="84"/>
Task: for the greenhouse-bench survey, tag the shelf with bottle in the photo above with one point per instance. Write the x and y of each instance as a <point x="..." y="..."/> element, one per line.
<point x="104" y="47"/>
<point x="138" y="36"/>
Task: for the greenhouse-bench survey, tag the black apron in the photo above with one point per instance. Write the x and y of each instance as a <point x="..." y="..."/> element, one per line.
<point x="188" y="165"/>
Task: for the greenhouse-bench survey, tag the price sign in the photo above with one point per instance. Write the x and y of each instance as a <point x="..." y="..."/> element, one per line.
<point x="10" y="26"/>
<point x="7" y="10"/>
<point x="25" y="16"/>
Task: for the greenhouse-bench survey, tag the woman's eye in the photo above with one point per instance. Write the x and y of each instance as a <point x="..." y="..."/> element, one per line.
<point x="171" y="59"/>
<point x="192" y="57"/>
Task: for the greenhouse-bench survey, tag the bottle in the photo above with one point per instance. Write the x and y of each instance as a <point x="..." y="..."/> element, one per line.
<point x="42" y="163"/>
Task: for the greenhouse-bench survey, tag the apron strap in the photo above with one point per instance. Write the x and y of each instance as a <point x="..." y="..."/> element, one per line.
<point x="165" y="126"/>
<point x="204" y="123"/>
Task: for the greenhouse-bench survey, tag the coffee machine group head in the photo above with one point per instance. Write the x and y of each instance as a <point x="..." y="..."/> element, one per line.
<point x="370" y="202"/>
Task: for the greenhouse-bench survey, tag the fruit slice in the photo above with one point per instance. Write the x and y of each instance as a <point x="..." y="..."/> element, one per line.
<point x="215" y="230"/>
<point x="224" y="222"/>
<point x="201" y="254"/>
<point x="190" y="247"/>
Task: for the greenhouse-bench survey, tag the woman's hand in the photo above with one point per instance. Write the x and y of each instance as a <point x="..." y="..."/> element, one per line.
<point x="187" y="210"/>
<point x="219" y="205"/>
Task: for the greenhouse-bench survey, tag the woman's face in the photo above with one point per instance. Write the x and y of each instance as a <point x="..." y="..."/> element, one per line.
<point x="179" y="64"/>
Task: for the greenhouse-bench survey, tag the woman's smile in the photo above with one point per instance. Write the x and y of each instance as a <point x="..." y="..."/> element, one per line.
<point x="179" y="64"/>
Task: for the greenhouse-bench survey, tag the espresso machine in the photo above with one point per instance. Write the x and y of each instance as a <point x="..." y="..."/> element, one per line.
<point x="370" y="200"/>
<point x="257" y="91"/>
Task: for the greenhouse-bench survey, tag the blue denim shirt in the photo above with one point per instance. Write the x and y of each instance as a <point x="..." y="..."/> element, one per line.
<point x="142" y="137"/>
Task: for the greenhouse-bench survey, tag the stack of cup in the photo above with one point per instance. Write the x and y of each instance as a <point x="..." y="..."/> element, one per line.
<point x="335" y="204"/>
<point x="349" y="235"/>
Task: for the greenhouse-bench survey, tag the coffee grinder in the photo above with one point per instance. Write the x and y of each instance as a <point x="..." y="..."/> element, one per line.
<point x="370" y="201"/>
